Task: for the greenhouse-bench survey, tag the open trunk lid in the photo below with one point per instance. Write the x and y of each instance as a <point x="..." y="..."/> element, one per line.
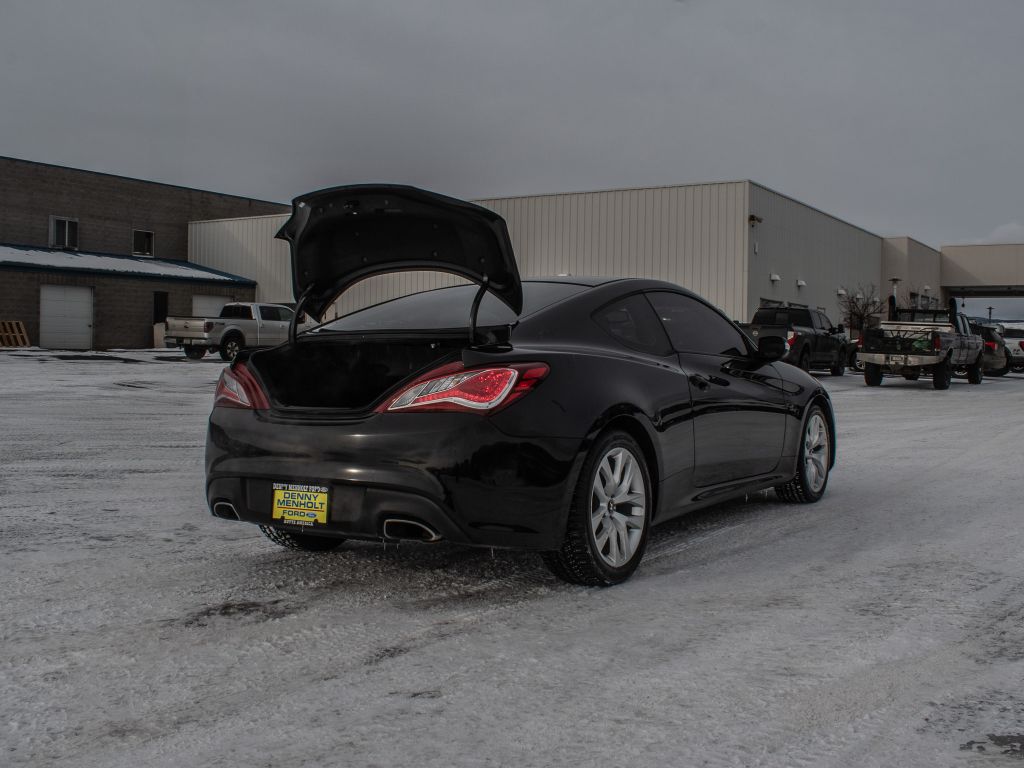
<point x="341" y="235"/>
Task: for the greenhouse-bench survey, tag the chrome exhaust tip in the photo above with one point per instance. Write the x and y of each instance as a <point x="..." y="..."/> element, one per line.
<point x="225" y="510"/>
<point x="402" y="528"/>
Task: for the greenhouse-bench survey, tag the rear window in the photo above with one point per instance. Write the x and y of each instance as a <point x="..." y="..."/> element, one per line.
<point x="449" y="308"/>
<point x="1014" y="333"/>
<point x="236" y="312"/>
<point x="787" y="317"/>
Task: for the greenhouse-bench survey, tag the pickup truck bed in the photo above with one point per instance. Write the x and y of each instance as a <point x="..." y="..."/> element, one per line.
<point x="917" y="341"/>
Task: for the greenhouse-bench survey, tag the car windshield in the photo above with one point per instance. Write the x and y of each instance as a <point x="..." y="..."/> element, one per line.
<point x="449" y="308"/>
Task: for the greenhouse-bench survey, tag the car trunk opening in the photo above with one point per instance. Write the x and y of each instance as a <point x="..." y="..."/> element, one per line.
<point x="342" y="235"/>
<point x="347" y="373"/>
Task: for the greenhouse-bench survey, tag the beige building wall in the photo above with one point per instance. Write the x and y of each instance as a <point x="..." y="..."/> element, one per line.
<point x="794" y="242"/>
<point x="693" y="235"/>
<point x="917" y="266"/>
<point x="979" y="266"/>
<point x="698" y="236"/>
<point x="245" y="247"/>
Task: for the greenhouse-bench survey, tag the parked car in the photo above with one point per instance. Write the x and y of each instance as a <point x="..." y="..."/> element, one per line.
<point x="916" y="340"/>
<point x="240" y="325"/>
<point x="812" y="341"/>
<point x="562" y="415"/>
<point x="1014" y="337"/>
<point x="996" y="356"/>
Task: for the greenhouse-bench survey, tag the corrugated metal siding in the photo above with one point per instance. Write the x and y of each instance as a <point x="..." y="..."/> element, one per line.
<point x="245" y="247"/>
<point x="798" y="242"/>
<point x="692" y="235"/>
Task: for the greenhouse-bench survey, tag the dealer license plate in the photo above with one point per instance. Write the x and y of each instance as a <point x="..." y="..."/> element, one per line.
<point x="300" y="504"/>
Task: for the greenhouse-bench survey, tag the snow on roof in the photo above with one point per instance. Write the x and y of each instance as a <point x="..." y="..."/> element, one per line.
<point x="44" y="258"/>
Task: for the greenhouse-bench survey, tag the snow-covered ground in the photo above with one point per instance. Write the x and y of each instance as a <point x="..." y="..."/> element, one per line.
<point x="883" y="626"/>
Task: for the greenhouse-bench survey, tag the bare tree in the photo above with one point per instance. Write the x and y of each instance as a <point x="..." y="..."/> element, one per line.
<point x="861" y="306"/>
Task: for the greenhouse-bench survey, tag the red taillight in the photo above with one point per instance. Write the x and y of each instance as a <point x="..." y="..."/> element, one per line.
<point x="990" y="345"/>
<point x="208" y="326"/>
<point x="791" y="340"/>
<point x="860" y="340"/>
<point x="476" y="390"/>
<point x="936" y="342"/>
<point x="237" y="388"/>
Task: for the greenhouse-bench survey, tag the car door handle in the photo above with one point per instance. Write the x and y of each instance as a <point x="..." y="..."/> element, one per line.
<point x="699" y="381"/>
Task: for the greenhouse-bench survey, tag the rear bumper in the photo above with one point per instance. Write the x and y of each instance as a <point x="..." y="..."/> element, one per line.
<point x="456" y="473"/>
<point x="898" y="361"/>
<point x="180" y="341"/>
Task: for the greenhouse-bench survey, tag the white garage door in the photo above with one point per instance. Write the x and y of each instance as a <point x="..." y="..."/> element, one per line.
<point x="65" y="317"/>
<point x="208" y="306"/>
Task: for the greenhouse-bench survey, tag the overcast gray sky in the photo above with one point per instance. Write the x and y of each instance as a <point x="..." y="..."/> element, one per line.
<point x="902" y="117"/>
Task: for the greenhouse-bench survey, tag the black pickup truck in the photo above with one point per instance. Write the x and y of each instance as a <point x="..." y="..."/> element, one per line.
<point x="916" y="340"/>
<point x="811" y="339"/>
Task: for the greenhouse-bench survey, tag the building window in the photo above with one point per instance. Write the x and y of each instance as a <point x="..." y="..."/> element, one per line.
<point x="63" y="233"/>
<point x="142" y="242"/>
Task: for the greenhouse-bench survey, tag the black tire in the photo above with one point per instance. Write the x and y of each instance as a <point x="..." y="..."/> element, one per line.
<point x="195" y="353"/>
<point x="303" y="541"/>
<point x="913" y="375"/>
<point x="942" y="374"/>
<point x="805" y="360"/>
<point x="1006" y="368"/>
<point x="873" y="374"/>
<point x="1019" y="368"/>
<point x="581" y="559"/>
<point x="230" y="346"/>
<point x="811" y="479"/>
<point x="976" y="371"/>
<point x="855" y="362"/>
<point x="839" y="367"/>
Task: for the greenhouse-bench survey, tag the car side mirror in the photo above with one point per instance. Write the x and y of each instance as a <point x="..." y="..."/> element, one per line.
<point x="771" y="348"/>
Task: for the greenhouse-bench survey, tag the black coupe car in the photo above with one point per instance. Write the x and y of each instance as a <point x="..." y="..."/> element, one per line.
<point x="564" y="415"/>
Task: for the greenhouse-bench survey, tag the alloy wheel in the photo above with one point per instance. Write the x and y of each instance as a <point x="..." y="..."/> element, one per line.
<point x="618" y="510"/>
<point x="816" y="452"/>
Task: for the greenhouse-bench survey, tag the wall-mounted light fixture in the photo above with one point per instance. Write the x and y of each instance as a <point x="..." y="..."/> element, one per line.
<point x="840" y="291"/>
<point x="754" y="220"/>
<point x="774" y="277"/>
<point x="801" y="283"/>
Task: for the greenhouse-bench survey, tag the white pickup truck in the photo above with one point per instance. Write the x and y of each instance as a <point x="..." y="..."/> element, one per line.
<point x="241" y="324"/>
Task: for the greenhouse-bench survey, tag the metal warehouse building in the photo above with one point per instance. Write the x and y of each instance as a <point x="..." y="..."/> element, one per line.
<point x="738" y="243"/>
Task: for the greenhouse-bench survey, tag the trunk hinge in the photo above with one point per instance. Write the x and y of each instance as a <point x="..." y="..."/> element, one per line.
<point x="299" y="308"/>
<point x="475" y="309"/>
